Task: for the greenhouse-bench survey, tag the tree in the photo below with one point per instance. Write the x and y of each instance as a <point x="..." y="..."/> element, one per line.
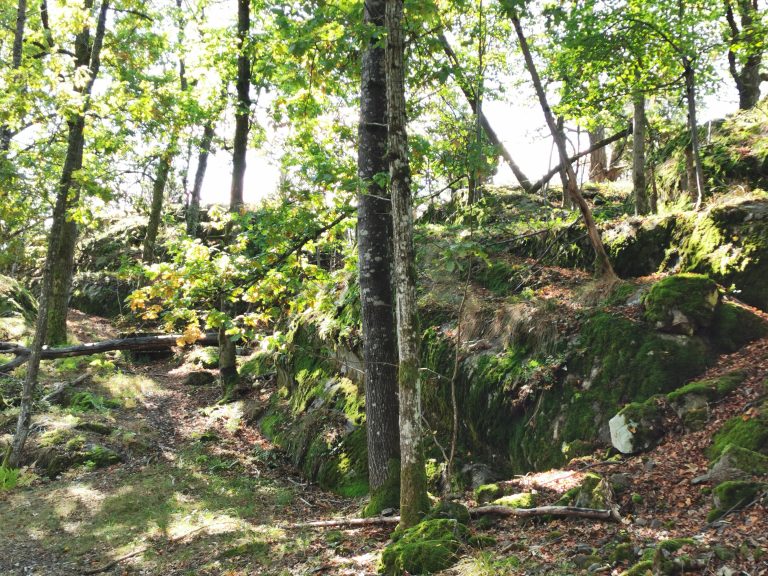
<point x="87" y="54"/>
<point x="413" y="481"/>
<point x="639" y="186"/>
<point x="374" y="241"/>
<point x="17" y="52"/>
<point x="746" y="44"/>
<point x="603" y="263"/>
<point x="243" y="104"/>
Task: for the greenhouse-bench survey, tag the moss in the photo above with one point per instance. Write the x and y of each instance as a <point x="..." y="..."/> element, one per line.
<point x="623" y="552"/>
<point x="386" y="496"/>
<point x="694" y="295"/>
<point x="640" y="569"/>
<point x="750" y="433"/>
<point x="747" y="461"/>
<point x="257" y="365"/>
<point x="450" y="510"/>
<point x="723" y="553"/>
<point x="734" y="326"/>
<point x="674" y="544"/>
<point x="594" y="492"/>
<point x="711" y="389"/>
<point x="99" y="457"/>
<point x="637" y="499"/>
<point x="488" y="492"/>
<point x="638" y="426"/>
<point x="734" y="494"/>
<point x="521" y="500"/>
<point x="428" y="547"/>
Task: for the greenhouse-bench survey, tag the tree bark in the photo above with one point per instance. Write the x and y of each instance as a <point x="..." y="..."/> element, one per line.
<point x="374" y="242"/>
<point x="62" y="270"/>
<point x="193" y="212"/>
<point x="85" y="55"/>
<point x="598" y="158"/>
<point x="493" y="138"/>
<point x="565" y="194"/>
<point x="603" y="264"/>
<point x="17" y="52"/>
<point x="690" y="97"/>
<point x="413" y="482"/>
<point x="640" y="186"/>
<point x="748" y="78"/>
<point x="156" y="210"/>
<point x="243" y="107"/>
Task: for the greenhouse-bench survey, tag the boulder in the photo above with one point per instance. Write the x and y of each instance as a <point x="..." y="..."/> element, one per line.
<point x="637" y="427"/>
<point x="200" y="378"/>
<point x="682" y="303"/>
<point x="737" y="463"/>
<point x="733" y="495"/>
<point x="428" y="547"/>
<point x="520" y="500"/>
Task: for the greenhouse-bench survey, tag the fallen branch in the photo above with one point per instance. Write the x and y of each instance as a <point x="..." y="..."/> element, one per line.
<point x="558" y="511"/>
<point x="376" y="520"/>
<point x="60" y="388"/>
<point x="136" y="344"/>
<point x="536" y="186"/>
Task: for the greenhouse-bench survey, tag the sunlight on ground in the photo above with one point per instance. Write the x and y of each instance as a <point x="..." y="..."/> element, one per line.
<point x="129" y="388"/>
<point x="230" y="414"/>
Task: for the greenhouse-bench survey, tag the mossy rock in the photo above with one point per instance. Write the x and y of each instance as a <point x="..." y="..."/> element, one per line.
<point x="734" y="327"/>
<point x="691" y="402"/>
<point x="521" y="500"/>
<point x="637" y="246"/>
<point x="750" y="433"/>
<point x="594" y="492"/>
<point x="428" y="547"/>
<point x="637" y="427"/>
<point x="728" y="243"/>
<point x="623" y="552"/>
<point x="488" y="492"/>
<point x="733" y="495"/>
<point x="15" y="300"/>
<point x="206" y="357"/>
<point x="682" y="303"/>
<point x="449" y="510"/>
<point x="642" y="568"/>
<point x="736" y="462"/>
<point x="55" y="460"/>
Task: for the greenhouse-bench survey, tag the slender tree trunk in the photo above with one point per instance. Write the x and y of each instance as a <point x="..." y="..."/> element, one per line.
<point x="242" y="113"/>
<point x="193" y="212"/>
<point x="18" y="44"/>
<point x="413" y="481"/>
<point x="638" y="155"/>
<point x="603" y="264"/>
<point x="374" y="242"/>
<point x="598" y="158"/>
<point x="565" y="200"/>
<point x="156" y="210"/>
<point x="690" y="97"/>
<point x="72" y="162"/>
<point x="493" y="138"/>
<point x="62" y="270"/>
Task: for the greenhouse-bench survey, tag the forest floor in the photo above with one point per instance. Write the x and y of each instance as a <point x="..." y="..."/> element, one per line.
<point x="200" y="491"/>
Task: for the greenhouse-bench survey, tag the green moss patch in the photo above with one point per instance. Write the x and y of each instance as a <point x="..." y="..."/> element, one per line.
<point x="734" y="326"/>
<point x="428" y="547"/>
<point x="682" y="303"/>
<point x="521" y="500"/>
<point x="711" y="389"/>
<point x="750" y="433"/>
<point x="487" y="493"/>
<point x="733" y="495"/>
<point x="736" y="461"/>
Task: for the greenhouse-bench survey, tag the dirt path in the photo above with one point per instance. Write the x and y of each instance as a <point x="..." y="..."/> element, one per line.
<point x="200" y="492"/>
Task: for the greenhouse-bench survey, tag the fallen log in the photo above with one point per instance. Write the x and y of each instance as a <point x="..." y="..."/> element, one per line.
<point x="556" y="511"/>
<point x="136" y="344"/>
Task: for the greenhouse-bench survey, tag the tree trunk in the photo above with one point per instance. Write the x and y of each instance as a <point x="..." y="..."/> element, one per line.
<point x="72" y="162"/>
<point x="374" y="243"/>
<point x="413" y="481"/>
<point x="690" y="97"/>
<point x="62" y="270"/>
<point x="493" y="138"/>
<point x="156" y="210"/>
<point x="18" y="44"/>
<point x="193" y="212"/>
<point x="602" y="262"/>
<point x="243" y="110"/>
<point x="598" y="158"/>
<point x="565" y="201"/>
<point x="690" y="173"/>
<point x="748" y="78"/>
<point x="638" y="155"/>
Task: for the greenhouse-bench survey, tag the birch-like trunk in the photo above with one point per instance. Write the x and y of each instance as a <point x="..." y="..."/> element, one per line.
<point x="603" y="264"/>
<point x="193" y="212"/>
<point x="156" y="209"/>
<point x="374" y="242"/>
<point x="690" y="97"/>
<point x="413" y="481"/>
